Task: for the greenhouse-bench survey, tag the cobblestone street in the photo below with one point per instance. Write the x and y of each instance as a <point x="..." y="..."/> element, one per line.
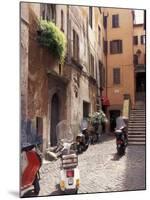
<point x="101" y="170"/>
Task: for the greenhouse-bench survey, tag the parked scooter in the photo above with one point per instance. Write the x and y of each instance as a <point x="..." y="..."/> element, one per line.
<point x="95" y="133"/>
<point x="31" y="161"/>
<point x="83" y="139"/>
<point x="69" y="171"/>
<point x="121" y="141"/>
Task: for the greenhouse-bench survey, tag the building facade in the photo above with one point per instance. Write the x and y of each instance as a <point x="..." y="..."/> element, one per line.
<point x="98" y="71"/>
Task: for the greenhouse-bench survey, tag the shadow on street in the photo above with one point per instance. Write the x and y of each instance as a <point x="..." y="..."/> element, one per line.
<point x="116" y="157"/>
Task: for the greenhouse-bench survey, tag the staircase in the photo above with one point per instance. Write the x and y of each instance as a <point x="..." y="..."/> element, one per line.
<point x="137" y="125"/>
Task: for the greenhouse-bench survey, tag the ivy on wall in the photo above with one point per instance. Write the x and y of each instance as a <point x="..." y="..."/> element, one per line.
<point x="50" y="36"/>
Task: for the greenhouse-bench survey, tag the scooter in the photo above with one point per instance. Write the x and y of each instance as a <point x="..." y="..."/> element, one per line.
<point x="83" y="139"/>
<point x="69" y="171"/>
<point x="95" y="135"/>
<point x="31" y="161"/>
<point x="121" y="141"/>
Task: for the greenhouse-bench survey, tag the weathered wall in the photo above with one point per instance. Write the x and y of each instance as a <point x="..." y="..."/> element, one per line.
<point x="138" y="31"/>
<point x="24" y="58"/>
<point x="124" y="60"/>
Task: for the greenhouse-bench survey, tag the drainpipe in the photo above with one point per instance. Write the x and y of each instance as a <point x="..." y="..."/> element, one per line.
<point x="106" y="53"/>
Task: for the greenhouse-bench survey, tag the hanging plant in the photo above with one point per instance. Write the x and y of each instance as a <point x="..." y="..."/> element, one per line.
<point x="97" y="117"/>
<point x="51" y="37"/>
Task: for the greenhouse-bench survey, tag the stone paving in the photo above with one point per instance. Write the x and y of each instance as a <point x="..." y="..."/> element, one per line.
<point x="101" y="170"/>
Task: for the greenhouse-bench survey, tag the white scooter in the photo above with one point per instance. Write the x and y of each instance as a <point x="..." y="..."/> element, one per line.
<point x="69" y="171"/>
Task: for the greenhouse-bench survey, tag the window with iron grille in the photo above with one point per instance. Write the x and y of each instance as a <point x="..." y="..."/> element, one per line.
<point x="116" y="76"/>
<point x="99" y="35"/>
<point x="115" y="21"/>
<point x="92" y="65"/>
<point x="90" y="16"/>
<point x="135" y="40"/>
<point x="75" y="46"/>
<point x="116" y="47"/>
<point x="142" y="39"/>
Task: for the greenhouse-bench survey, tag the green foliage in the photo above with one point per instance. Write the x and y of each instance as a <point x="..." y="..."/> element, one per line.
<point x="51" y="37"/>
<point x="97" y="117"/>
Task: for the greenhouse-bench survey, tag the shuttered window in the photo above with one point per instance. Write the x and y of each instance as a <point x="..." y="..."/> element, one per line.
<point x="105" y="21"/>
<point x="135" y="59"/>
<point x="62" y="21"/>
<point x="99" y="35"/>
<point x="92" y="65"/>
<point x="115" y="21"/>
<point x="75" y="46"/>
<point x="90" y="16"/>
<point x="135" y="40"/>
<point x="116" y="46"/>
<point x="105" y="46"/>
<point x="116" y="76"/>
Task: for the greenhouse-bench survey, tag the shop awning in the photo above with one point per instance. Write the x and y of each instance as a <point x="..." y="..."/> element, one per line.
<point x="105" y="101"/>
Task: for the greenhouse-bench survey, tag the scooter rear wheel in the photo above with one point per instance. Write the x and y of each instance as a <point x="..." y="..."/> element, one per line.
<point x="36" y="185"/>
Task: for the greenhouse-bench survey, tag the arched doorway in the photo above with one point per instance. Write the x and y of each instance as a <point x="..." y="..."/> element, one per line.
<point x="54" y="118"/>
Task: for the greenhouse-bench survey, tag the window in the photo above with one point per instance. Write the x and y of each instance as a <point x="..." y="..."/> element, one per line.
<point x="39" y="126"/>
<point x="116" y="75"/>
<point x="135" y="40"/>
<point x="48" y="12"/>
<point x="142" y="39"/>
<point x="135" y="59"/>
<point x="62" y="21"/>
<point x="116" y="46"/>
<point x="75" y="46"/>
<point x="90" y="16"/>
<point x="92" y="65"/>
<point x="99" y="35"/>
<point x="105" y="21"/>
<point x="86" y="108"/>
<point x="115" y="21"/>
<point x="104" y="46"/>
<point x="102" y="74"/>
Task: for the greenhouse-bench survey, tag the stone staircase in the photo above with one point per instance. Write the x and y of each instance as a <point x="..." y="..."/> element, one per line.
<point x="137" y="125"/>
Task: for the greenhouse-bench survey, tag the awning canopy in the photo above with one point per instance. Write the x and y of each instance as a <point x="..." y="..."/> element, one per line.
<point x="105" y="101"/>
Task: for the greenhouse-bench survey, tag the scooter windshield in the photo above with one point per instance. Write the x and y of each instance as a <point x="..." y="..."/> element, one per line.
<point x="64" y="132"/>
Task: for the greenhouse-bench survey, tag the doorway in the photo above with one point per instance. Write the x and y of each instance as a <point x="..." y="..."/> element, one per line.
<point x="86" y="109"/>
<point x="54" y="119"/>
<point x="113" y="115"/>
<point x="140" y="85"/>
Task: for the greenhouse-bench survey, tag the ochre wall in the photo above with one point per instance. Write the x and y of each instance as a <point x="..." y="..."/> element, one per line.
<point x="124" y="60"/>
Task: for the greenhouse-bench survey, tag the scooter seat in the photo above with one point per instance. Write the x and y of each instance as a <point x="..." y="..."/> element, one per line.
<point x="118" y="131"/>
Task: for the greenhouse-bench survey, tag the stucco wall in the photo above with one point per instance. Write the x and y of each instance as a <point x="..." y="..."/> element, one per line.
<point x="123" y="60"/>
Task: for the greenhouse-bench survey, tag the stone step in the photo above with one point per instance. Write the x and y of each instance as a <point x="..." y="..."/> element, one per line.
<point x="136" y="139"/>
<point x="140" y="112"/>
<point x="136" y="143"/>
<point x="134" y="122"/>
<point x="137" y="121"/>
<point x="137" y="116"/>
<point x="137" y="131"/>
<point x="136" y="136"/>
